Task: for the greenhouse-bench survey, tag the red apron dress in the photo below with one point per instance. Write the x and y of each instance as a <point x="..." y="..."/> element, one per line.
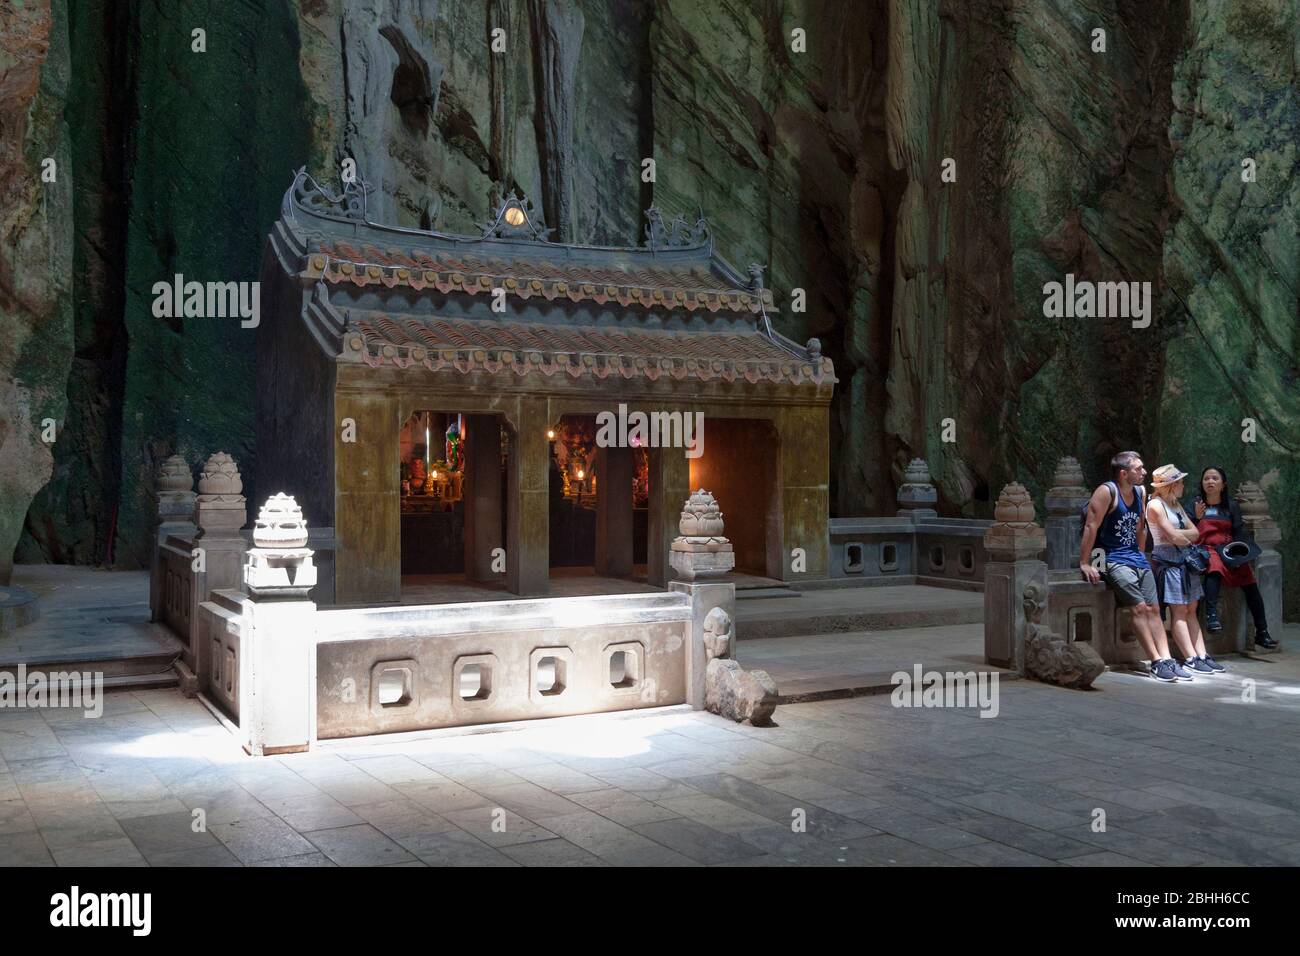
<point x="1217" y="531"/>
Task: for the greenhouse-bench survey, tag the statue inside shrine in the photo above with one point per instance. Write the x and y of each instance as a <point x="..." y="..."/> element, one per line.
<point x="455" y="453"/>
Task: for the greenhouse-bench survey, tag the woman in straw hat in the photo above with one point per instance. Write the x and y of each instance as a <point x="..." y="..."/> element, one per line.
<point x="1172" y="533"/>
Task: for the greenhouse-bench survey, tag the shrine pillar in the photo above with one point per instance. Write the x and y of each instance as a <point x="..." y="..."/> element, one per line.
<point x="614" y="468"/>
<point x="528" y="528"/>
<point x="670" y="485"/>
<point x="482" y="496"/>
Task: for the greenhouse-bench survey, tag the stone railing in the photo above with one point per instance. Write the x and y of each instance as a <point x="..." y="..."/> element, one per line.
<point x="916" y="546"/>
<point x="290" y="673"/>
<point x="197" y="551"/>
<point x="177" y="585"/>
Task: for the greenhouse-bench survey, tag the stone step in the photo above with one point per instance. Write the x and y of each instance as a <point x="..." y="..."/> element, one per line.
<point x="841" y="686"/>
<point x="749" y="594"/>
<point x="851" y="664"/>
<point x="843" y="610"/>
<point x="124" y="669"/>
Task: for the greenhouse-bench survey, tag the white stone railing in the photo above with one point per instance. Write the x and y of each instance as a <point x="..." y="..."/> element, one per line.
<point x="291" y="674"/>
<point x="180" y="587"/>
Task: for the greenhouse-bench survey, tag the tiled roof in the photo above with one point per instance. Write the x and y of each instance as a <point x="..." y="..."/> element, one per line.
<point x="656" y="287"/>
<point x="472" y="345"/>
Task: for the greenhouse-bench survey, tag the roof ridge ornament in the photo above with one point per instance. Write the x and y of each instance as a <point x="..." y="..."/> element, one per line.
<point x="306" y="193"/>
<point x="675" y="234"/>
<point x="515" y="218"/>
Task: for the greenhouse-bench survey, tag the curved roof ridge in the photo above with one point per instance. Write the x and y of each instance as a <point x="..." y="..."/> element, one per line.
<point x="308" y="202"/>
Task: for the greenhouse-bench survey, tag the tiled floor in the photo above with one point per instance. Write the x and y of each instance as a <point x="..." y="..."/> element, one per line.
<point x="1186" y="774"/>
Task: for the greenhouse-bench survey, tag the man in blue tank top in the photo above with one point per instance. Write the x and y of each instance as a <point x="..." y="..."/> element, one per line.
<point x="1116" y="524"/>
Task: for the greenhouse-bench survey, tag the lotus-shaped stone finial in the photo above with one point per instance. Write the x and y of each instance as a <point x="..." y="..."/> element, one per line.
<point x="1015" y="506"/>
<point x="1068" y="473"/>
<point x="280" y="524"/>
<point x="917" y="473"/>
<point x="175" y="475"/>
<point x="220" y="476"/>
<point x="1252" y="499"/>
<point x="701" y="517"/>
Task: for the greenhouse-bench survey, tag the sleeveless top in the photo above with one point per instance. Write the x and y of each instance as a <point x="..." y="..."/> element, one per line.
<point x="1118" y="534"/>
<point x="1166" y="550"/>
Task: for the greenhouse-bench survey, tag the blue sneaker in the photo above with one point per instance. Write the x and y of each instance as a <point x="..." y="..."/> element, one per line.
<point x="1198" y="664"/>
<point x="1179" y="671"/>
<point x="1161" y="671"/>
<point x="1214" y="665"/>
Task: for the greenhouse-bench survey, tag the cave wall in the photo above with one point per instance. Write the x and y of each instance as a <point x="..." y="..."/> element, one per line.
<point x="36" y="314"/>
<point x="822" y="165"/>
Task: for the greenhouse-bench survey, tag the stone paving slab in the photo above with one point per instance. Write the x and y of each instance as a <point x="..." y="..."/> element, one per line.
<point x="1187" y="775"/>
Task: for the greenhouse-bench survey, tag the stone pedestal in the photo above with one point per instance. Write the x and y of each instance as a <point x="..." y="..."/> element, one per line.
<point x="1261" y="528"/>
<point x="1015" y="545"/>
<point x="701" y="556"/>
<point x="220" y="511"/>
<point x="277" y="652"/>
<point x="1064" y="500"/>
<point x="713" y="630"/>
<point x="701" y="551"/>
<point x="176" y="499"/>
<point x="277" y="660"/>
<point x="917" y="494"/>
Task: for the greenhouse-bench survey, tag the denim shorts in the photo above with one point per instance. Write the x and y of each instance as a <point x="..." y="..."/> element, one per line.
<point x="1178" y="585"/>
<point x="1131" y="585"/>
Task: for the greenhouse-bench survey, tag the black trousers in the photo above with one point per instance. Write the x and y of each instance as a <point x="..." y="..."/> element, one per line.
<point x="1254" y="600"/>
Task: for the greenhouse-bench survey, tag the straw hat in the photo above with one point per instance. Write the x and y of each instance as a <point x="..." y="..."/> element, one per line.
<point x="1165" y="476"/>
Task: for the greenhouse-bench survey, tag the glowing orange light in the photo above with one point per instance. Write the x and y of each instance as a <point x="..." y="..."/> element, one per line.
<point x="550" y="434"/>
<point x="515" y="216"/>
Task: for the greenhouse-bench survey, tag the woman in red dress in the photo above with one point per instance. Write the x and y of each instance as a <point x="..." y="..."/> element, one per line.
<point x="1218" y="518"/>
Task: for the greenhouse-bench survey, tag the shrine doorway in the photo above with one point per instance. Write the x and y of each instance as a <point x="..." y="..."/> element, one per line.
<point x="741" y="466"/>
<point x="598" y="507"/>
<point x="452" y="477"/>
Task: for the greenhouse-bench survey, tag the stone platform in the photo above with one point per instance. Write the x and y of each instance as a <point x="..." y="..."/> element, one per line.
<point x="91" y="619"/>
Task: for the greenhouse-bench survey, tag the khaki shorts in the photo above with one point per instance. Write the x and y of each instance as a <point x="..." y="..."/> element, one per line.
<point x="1131" y="585"/>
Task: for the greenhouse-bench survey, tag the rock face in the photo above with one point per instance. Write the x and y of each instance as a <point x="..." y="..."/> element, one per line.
<point x="35" y="257"/>
<point x="731" y="691"/>
<point x="824" y="161"/>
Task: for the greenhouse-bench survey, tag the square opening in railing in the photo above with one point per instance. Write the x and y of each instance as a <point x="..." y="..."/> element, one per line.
<point x="1080" y="626"/>
<point x="889" y="557"/>
<point x="938" y="557"/>
<point x="393" y="690"/>
<point x="475" y="682"/>
<point x="472" y="680"/>
<point x="855" y="560"/>
<point x="392" y="686"/>
<point x="550" y="676"/>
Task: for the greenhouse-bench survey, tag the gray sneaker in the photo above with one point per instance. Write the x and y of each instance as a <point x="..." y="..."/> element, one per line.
<point x="1161" y="671"/>
<point x="1180" y="672"/>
